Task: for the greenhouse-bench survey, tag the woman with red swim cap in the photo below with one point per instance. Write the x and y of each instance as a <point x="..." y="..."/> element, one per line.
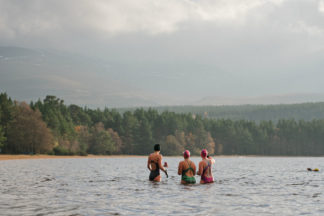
<point x="187" y="169"/>
<point x="205" y="168"/>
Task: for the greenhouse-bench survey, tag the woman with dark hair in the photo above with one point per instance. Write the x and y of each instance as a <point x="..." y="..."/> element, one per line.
<point x="205" y="168"/>
<point x="187" y="169"/>
<point x="154" y="164"/>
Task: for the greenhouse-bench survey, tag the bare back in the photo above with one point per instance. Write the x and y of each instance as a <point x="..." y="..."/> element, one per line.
<point x="204" y="168"/>
<point x="185" y="165"/>
<point x="154" y="160"/>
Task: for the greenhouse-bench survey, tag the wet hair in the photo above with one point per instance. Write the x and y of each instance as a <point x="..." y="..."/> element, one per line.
<point x="204" y="153"/>
<point x="157" y="147"/>
<point x="186" y="154"/>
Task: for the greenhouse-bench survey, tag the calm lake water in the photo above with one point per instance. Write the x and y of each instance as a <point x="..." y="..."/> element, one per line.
<point x="120" y="186"/>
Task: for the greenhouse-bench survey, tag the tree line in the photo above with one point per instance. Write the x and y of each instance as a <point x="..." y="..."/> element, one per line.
<point x="258" y="113"/>
<point x="49" y="126"/>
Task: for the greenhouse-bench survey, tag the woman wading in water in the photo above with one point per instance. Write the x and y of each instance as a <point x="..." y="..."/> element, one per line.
<point x="205" y="168"/>
<point x="154" y="164"/>
<point x="187" y="169"/>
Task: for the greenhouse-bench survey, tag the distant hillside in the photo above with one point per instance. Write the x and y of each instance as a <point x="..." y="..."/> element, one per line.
<point x="28" y="74"/>
<point x="303" y="111"/>
<point x="292" y="98"/>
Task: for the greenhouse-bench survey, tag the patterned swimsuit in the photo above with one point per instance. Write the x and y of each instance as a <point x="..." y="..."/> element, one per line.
<point x="204" y="177"/>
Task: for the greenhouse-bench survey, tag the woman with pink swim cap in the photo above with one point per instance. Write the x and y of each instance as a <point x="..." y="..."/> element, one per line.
<point x="205" y="168"/>
<point x="187" y="169"/>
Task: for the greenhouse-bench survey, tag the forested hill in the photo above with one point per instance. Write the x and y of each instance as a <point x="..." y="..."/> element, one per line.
<point x="303" y="111"/>
<point x="50" y="126"/>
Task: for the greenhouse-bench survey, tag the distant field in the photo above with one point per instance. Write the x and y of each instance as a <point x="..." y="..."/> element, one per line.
<point x="303" y="111"/>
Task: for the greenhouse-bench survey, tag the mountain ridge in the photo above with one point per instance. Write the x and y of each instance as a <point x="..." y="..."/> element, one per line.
<point x="28" y="74"/>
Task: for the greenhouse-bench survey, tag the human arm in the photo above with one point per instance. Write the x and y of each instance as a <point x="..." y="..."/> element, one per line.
<point x="201" y="168"/>
<point x="149" y="163"/>
<point x="194" y="168"/>
<point x="180" y="168"/>
<point x="160" y="163"/>
<point x="161" y="167"/>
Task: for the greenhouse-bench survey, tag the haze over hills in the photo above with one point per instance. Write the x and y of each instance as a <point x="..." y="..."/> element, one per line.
<point x="29" y="74"/>
<point x="267" y="99"/>
<point x="128" y="54"/>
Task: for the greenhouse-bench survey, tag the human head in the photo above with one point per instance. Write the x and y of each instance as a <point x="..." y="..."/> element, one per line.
<point x="157" y="147"/>
<point x="186" y="154"/>
<point x="204" y="153"/>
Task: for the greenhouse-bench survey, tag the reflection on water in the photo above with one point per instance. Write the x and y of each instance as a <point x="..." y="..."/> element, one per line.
<point x="120" y="186"/>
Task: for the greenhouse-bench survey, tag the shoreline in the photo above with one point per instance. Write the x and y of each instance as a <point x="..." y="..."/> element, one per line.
<point x="4" y="157"/>
<point x="44" y="156"/>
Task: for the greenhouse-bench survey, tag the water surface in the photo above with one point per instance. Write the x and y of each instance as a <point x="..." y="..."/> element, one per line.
<point x="120" y="186"/>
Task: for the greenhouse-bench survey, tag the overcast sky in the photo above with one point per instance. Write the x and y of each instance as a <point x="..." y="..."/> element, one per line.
<point x="183" y="49"/>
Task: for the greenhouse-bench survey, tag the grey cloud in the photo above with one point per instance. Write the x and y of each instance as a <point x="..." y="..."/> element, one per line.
<point x="187" y="49"/>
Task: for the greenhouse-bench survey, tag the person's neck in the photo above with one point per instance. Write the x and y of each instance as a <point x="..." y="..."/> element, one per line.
<point x="157" y="152"/>
<point x="186" y="159"/>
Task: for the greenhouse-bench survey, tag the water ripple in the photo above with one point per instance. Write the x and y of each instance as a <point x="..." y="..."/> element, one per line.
<point x="107" y="186"/>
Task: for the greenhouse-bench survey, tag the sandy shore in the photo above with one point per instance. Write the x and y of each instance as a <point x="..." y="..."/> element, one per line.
<point x="24" y="157"/>
<point x="41" y="156"/>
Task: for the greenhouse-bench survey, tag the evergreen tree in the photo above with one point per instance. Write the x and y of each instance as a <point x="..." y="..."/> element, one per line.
<point x="6" y="111"/>
<point x="101" y="141"/>
<point x="2" y="139"/>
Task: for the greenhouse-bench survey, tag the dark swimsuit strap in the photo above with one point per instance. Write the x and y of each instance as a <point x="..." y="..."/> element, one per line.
<point x="208" y="165"/>
<point x="189" y="168"/>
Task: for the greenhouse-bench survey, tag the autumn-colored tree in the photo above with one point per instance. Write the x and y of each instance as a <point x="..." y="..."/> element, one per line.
<point x="27" y="133"/>
<point x="117" y="140"/>
<point x="210" y="145"/>
<point x="172" y="146"/>
<point x="180" y="136"/>
<point x="83" y="138"/>
<point x="191" y="144"/>
<point x="67" y="146"/>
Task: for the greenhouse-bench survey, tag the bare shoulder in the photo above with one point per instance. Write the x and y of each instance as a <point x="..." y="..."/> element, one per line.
<point x="212" y="161"/>
<point x="152" y="157"/>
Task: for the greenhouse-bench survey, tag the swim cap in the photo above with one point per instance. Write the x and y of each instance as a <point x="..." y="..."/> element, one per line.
<point x="204" y="153"/>
<point x="157" y="147"/>
<point x="186" y="154"/>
